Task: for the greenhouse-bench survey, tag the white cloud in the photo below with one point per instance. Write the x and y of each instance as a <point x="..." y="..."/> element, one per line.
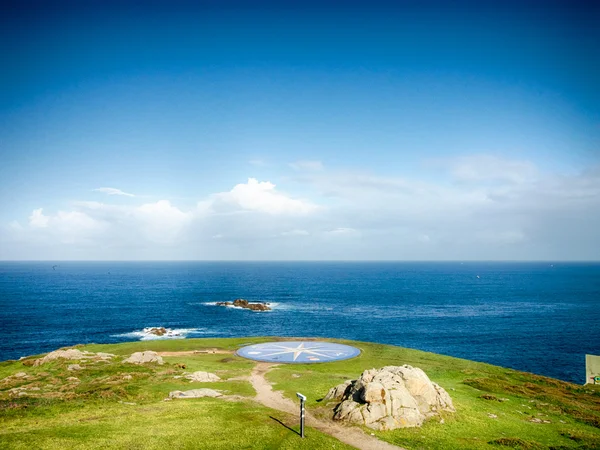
<point x="161" y="222"/>
<point x="480" y="168"/>
<point x="307" y="165"/>
<point x="113" y="191"/>
<point x="263" y="197"/>
<point x="366" y="216"/>
<point x="37" y="219"/>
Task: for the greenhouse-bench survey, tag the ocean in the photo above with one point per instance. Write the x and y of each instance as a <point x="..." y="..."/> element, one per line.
<point x="537" y="317"/>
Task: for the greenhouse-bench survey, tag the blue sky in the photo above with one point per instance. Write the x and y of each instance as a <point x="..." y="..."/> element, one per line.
<point x="411" y="130"/>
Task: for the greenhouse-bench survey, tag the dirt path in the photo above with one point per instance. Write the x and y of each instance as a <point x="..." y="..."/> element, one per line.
<point x="348" y="435"/>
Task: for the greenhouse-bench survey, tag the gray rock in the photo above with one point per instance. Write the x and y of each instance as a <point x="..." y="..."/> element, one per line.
<point x="202" y="377"/>
<point x="388" y="398"/>
<point x="71" y="353"/>
<point x="337" y="392"/>
<point x="195" y="393"/>
<point x="144" y="357"/>
<point x="72" y="367"/>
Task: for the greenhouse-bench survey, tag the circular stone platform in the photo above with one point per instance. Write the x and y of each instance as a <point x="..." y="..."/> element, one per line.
<point x="298" y="352"/>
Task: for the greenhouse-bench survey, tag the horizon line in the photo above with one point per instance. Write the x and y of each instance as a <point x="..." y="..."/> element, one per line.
<point x="312" y="260"/>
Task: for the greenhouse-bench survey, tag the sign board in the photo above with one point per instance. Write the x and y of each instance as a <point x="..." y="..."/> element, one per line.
<point x="592" y="369"/>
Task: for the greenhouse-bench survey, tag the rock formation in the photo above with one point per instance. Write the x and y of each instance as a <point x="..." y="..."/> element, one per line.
<point x="241" y="303"/>
<point x="72" y="353"/>
<point x="390" y="397"/>
<point x="144" y="357"/>
<point x="195" y="393"/>
<point x="157" y="331"/>
<point x="202" y="377"/>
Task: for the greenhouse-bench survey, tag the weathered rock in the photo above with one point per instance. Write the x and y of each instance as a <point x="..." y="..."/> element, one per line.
<point x="202" y="377"/>
<point x="337" y="392"/>
<point x="144" y="357"/>
<point x="105" y="355"/>
<point x="388" y="398"/>
<point x="157" y="331"/>
<point x="73" y="379"/>
<point x="71" y="353"/>
<point x="195" y="393"/>
<point x="72" y="367"/>
<point x="241" y="303"/>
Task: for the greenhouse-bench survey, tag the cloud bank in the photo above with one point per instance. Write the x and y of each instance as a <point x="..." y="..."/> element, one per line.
<point x="481" y="207"/>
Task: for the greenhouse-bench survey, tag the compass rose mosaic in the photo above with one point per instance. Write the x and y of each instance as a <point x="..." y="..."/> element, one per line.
<point x="298" y="352"/>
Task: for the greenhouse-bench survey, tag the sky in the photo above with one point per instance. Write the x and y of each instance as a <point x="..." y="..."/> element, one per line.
<point x="410" y="130"/>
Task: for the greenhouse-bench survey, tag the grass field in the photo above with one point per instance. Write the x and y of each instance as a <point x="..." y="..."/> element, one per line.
<point x="116" y="405"/>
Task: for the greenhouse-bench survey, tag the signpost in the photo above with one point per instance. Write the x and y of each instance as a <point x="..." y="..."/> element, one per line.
<point x="302" y="400"/>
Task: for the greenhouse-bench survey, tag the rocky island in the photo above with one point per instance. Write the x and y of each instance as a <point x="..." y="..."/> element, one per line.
<point x="241" y="303"/>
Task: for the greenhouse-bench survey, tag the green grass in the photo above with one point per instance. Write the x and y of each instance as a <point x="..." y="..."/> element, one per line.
<point x="88" y="414"/>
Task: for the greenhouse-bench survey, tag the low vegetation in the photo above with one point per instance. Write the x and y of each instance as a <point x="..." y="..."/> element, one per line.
<point x="108" y="404"/>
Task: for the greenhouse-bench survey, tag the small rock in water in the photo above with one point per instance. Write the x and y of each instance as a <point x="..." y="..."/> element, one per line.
<point x="242" y="303"/>
<point x="157" y="331"/>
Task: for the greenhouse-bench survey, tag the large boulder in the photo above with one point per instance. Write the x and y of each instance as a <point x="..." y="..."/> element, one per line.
<point x="202" y="377"/>
<point x="390" y="397"/>
<point x="144" y="357"/>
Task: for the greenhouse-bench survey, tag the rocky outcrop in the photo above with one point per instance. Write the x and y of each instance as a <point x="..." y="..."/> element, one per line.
<point x="337" y="392"/>
<point x="390" y="397"/>
<point x="241" y="303"/>
<point x="74" y="354"/>
<point x="144" y="358"/>
<point x="195" y="393"/>
<point x="202" y="377"/>
<point x="156" y="331"/>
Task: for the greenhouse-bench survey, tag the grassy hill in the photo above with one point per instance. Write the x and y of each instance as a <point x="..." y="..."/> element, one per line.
<point x="116" y="405"/>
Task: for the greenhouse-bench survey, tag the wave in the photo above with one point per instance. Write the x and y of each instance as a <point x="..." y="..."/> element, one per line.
<point x="272" y="305"/>
<point x="178" y="333"/>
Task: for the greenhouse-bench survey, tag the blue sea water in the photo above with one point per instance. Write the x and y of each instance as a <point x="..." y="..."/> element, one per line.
<point x="536" y="317"/>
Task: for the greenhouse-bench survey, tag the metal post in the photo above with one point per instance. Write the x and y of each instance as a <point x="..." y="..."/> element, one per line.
<point x="302" y="400"/>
